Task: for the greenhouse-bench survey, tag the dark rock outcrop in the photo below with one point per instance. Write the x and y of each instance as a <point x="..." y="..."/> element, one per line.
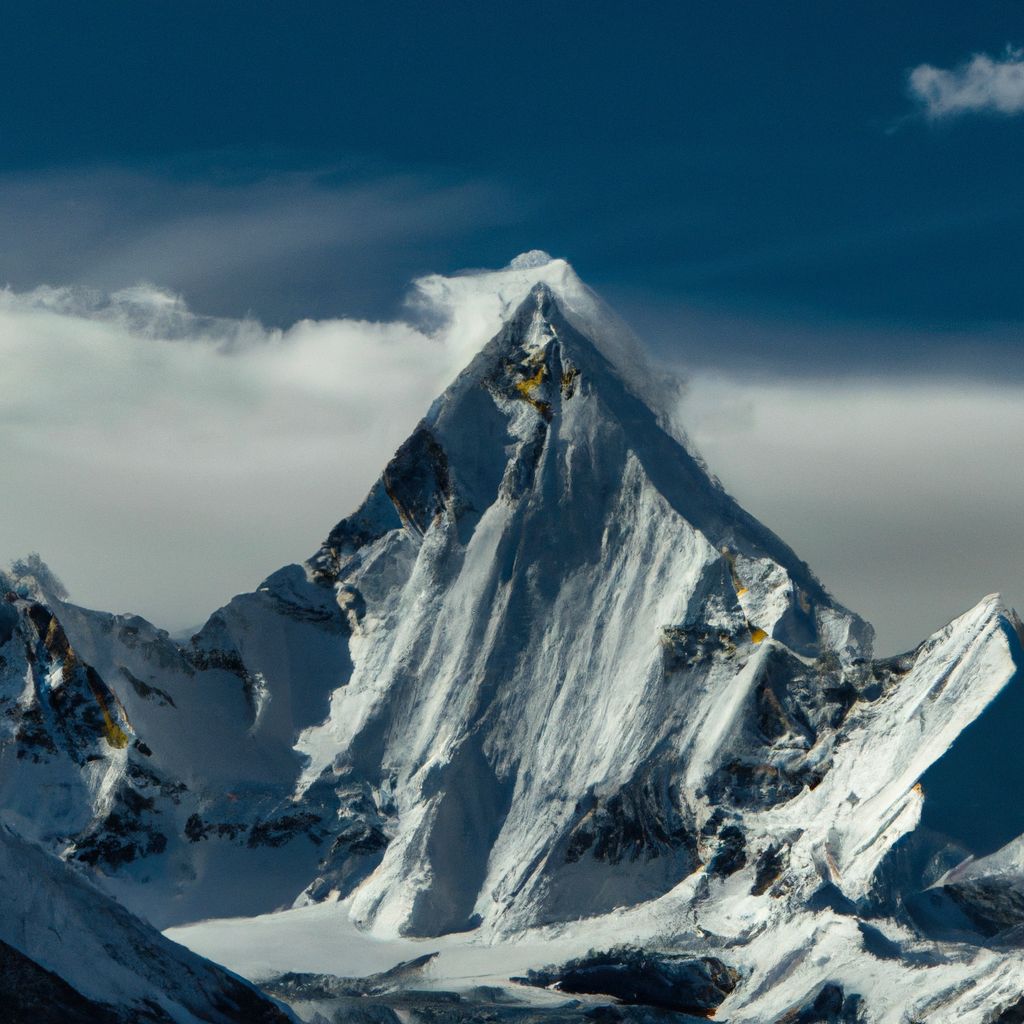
<point x="831" y="1005"/>
<point x="30" y="994"/>
<point x="695" y="985"/>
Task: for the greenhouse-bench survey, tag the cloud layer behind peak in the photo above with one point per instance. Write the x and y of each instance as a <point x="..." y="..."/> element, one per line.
<point x="162" y="461"/>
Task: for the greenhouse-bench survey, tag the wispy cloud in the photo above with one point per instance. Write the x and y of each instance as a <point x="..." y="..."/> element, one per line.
<point x="983" y="84"/>
<point x="282" y="244"/>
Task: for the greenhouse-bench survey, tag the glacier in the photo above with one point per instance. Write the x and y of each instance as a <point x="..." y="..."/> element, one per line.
<point x="549" y="689"/>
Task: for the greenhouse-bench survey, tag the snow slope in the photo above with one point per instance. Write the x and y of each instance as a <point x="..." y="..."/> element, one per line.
<point x="788" y="937"/>
<point x="128" y="971"/>
<point x="553" y="609"/>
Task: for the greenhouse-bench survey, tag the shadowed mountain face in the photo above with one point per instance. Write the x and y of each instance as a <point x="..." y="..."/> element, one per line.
<point x="70" y="954"/>
<point x="975" y="792"/>
<point x="548" y="670"/>
<point x="30" y="994"/>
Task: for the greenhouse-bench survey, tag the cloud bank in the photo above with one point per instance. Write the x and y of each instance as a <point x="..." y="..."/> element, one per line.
<point x="161" y="460"/>
<point x="981" y="85"/>
<point x="902" y="494"/>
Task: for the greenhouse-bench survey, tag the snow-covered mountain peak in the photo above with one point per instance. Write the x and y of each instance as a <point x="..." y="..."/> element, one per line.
<point x="474" y="306"/>
<point x="543" y="393"/>
<point x="542" y="331"/>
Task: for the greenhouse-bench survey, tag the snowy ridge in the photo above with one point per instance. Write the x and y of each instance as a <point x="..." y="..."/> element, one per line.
<point x="133" y="974"/>
<point x="776" y="924"/>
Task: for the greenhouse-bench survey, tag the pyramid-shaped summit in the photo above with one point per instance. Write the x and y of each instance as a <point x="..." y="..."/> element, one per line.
<point x="565" y="586"/>
<point x="542" y="392"/>
<point x="548" y="670"/>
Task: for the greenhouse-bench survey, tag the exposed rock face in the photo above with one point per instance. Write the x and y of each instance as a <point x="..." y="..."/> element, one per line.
<point x="69" y="764"/>
<point x="830" y="1006"/>
<point x="1010" y="1015"/>
<point x="295" y="985"/>
<point x="162" y="766"/>
<point x="683" y="984"/>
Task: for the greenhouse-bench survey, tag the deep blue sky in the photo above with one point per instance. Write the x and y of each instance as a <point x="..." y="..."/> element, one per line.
<point x="757" y="171"/>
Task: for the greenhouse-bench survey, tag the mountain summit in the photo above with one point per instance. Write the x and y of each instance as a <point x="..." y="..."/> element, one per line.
<point x="548" y="670"/>
<point x="543" y="589"/>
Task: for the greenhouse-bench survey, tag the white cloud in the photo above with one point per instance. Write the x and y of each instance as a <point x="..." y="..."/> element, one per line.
<point x="981" y="85"/>
<point x="163" y="461"/>
<point x="286" y="244"/>
<point x="901" y="495"/>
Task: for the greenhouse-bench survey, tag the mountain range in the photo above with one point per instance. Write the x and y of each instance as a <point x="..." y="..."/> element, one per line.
<point x="549" y="693"/>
